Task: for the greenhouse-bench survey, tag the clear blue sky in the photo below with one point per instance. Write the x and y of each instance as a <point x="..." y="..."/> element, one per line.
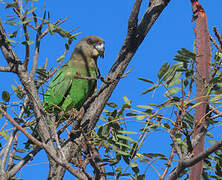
<point x="108" y="19"/>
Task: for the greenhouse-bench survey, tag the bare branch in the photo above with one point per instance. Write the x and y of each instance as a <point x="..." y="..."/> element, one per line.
<point x="8" y="53"/>
<point x="37" y="45"/>
<point x="6" y="152"/>
<point x="168" y="163"/>
<point x="12" y="153"/>
<point x="190" y="162"/>
<point x="19" y="11"/>
<point x="22" y="162"/>
<point x="36" y="53"/>
<point x="5" y="69"/>
<point x="217" y="35"/>
<point x="14" y="123"/>
<point x="215" y="44"/>
<point x="38" y="143"/>
<point x="176" y="146"/>
<point x="27" y="56"/>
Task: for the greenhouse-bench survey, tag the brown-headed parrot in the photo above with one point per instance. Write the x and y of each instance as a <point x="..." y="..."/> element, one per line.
<point x="67" y="90"/>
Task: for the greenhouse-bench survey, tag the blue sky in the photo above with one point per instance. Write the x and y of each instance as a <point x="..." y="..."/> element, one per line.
<point x="108" y="19"/>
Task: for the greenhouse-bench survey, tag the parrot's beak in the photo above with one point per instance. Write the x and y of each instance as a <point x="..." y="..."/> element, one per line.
<point x="100" y="47"/>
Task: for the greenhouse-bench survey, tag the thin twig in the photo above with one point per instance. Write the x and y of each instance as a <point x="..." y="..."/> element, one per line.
<point x="215" y="44"/>
<point x="6" y="152"/>
<point x="12" y="154"/>
<point x="176" y="146"/>
<point x="217" y="35"/>
<point x="168" y="163"/>
<point x="27" y="56"/>
<point x="3" y="127"/>
<point x="37" y="46"/>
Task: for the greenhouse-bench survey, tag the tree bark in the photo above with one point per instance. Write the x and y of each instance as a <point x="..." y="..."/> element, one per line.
<point x="203" y="60"/>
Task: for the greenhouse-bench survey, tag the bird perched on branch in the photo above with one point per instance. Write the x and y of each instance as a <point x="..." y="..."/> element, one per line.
<point x="75" y="81"/>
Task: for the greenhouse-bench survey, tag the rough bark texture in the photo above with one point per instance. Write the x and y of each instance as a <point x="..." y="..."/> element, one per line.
<point x="203" y="60"/>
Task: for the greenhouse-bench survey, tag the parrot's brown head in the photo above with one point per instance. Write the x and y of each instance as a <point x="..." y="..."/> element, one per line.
<point x="91" y="46"/>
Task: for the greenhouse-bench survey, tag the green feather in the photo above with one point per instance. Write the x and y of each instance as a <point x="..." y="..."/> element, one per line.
<point x="67" y="91"/>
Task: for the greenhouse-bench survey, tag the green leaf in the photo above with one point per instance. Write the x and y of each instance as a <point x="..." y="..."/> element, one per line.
<point x="32" y="10"/>
<point x="209" y="134"/>
<point x="12" y="35"/>
<point x="166" y="126"/>
<point x="60" y="58"/>
<point x="105" y="130"/>
<point x="145" y="107"/>
<point x="119" y="169"/>
<point x="126" y="100"/>
<point x="150" y="89"/>
<point x="11" y="23"/>
<point x="133" y="165"/>
<point x="4" y="134"/>
<point x="111" y="104"/>
<point x="141" y="177"/>
<point x="11" y="5"/>
<point x="74" y="35"/>
<point x="219" y="54"/>
<point x="140" y="117"/>
<point x="122" y="145"/>
<point x="17" y="157"/>
<point x="20" y="150"/>
<point x="5" y="96"/>
<point x="128" y="132"/>
<point x="170" y="74"/>
<point x="26" y="21"/>
<point x="152" y="155"/>
<point x="131" y="114"/>
<point x="27" y="42"/>
<point x="172" y="91"/>
<point x="175" y="80"/>
<point x="146" y="80"/>
<point x="121" y="152"/>
<point x="62" y="32"/>
<point x="120" y="136"/>
<point x="164" y="68"/>
<point x="51" y="28"/>
<point x="18" y="92"/>
<point x="10" y="40"/>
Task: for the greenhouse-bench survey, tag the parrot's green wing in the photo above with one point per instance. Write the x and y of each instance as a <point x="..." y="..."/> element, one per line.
<point x="59" y="88"/>
<point x="67" y="91"/>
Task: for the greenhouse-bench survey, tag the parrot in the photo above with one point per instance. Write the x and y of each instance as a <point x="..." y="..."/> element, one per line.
<point x="67" y="91"/>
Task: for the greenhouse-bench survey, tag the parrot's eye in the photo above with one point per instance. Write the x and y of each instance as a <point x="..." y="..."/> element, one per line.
<point x="89" y="41"/>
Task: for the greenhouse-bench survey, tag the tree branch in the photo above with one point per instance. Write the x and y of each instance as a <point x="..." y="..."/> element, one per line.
<point x="63" y="163"/>
<point x="190" y="162"/>
<point x="5" y="69"/>
<point x="217" y="35"/>
<point x="37" y="46"/>
<point x="12" y="153"/>
<point x="15" y="124"/>
<point x="8" y="53"/>
<point x="22" y="162"/>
